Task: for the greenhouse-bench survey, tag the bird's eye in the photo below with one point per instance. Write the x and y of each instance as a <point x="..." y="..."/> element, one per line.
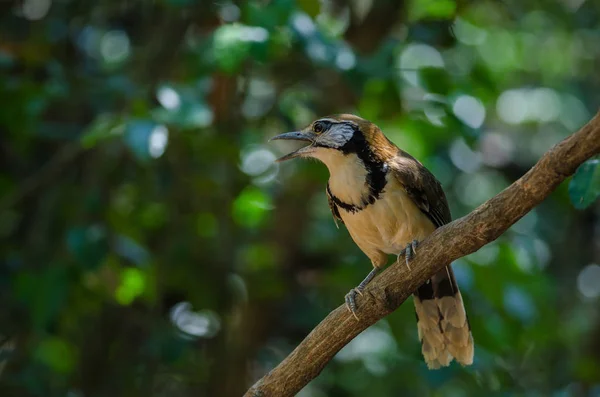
<point x="318" y="127"/>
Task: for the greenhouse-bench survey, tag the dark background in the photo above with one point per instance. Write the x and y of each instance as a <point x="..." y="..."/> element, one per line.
<point x="151" y="247"/>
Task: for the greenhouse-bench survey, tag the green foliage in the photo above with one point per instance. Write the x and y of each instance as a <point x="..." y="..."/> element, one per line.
<point x="311" y="7"/>
<point x="151" y="245"/>
<point x="584" y="188"/>
<point x="231" y="47"/>
<point x="435" y="80"/>
<point x="105" y="126"/>
<point x="251" y="207"/>
<point x="133" y="283"/>
<point x="56" y="353"/>
<point x="428" y="9"/>
<point x="87" y="245"/>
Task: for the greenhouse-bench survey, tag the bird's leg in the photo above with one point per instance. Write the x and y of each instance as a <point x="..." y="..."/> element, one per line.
<point x="408" y="252"/>
<point x="351" y="296"/>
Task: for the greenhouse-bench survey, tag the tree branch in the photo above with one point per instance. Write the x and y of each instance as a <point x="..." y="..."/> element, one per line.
<point x="455" y="240"/>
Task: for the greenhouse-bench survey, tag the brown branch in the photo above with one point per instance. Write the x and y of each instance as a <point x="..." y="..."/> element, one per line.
<point x="455" y="240"/>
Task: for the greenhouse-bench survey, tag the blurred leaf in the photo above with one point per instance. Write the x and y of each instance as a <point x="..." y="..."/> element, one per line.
<point x="133" y="284"/>
<point x="206" y="225"/>
<point x="153" y="215"/>
<point x="104" y="127"/>
<point x="270" y="16"/>
<point x="311" y="7"/>
<point x="251" y="207"/>
<point x="88" y="245"/>
<point x="130" y="249"/>
<point x="57" y="353"/>
<point x="44" y="293"/>
<point x="230" y="47"/>
<point x="584" y="188"/>
<point x="260" y="257"/>
<point x="435" y="80"/>
<point x="588" y="369"/>
<point x="431" y="9"/>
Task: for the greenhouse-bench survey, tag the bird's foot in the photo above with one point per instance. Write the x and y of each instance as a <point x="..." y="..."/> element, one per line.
<point x="409" y="252"/>
<point x="351" y="301"/>
<point x="351" y="296"/>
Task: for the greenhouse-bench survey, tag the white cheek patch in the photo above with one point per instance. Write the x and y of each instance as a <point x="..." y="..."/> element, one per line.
<point x="337" y="136"/>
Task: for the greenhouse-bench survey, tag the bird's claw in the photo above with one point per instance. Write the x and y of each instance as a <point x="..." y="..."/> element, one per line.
<point x="351" y="296"/>
<point x="414" y="245"/>
<point x="409" y="252"/>
<point x="351" y="301"/>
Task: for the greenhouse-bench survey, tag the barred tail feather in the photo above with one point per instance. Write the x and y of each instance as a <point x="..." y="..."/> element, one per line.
<point x="442" y="322"/>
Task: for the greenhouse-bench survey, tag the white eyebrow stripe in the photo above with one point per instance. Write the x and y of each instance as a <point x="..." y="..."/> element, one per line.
<point x="335" y="121"/>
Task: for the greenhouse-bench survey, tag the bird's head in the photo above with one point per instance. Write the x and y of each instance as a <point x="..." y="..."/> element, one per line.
<point x="334" y="136"/>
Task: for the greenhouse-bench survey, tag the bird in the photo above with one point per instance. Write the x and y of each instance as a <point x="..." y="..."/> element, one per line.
<point x="388" y="202"/>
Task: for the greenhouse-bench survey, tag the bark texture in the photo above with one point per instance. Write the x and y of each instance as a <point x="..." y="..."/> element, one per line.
<point x="448" y="243"/>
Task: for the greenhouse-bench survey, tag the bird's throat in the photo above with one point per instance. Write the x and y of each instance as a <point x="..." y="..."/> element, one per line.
<point x="356" y="180"/>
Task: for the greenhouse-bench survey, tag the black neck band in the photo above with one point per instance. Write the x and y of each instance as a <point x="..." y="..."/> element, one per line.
<point x="376" y="172"/>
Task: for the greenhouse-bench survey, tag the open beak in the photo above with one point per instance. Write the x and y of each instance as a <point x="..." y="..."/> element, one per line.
<point x="296" y="136"/>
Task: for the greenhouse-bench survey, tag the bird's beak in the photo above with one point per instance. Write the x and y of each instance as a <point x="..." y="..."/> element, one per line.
<point x="296" y="136"/>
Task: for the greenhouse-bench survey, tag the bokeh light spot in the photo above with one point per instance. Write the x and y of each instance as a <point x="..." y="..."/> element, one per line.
<point x="303" y="24"/>
<point x="35" y="9"/>
<point x="200" y="116"/>
<point x="373" y="341"/>
<point x="114" y="46"/>
<point x="588" y="281"/>
<point x="496" y="149"/>
<point x="463" y="157"/>
<point x="512" y="106"/>
<point x="260" y="98"/>
<point x="546" y="104"/>
<point x="518" y="303"/>
<point x="521" y="105"/>
<point x="168" y="98"/>
<point x="468" y="33"/>
<point x="469" y="110"/>
<point x="316" y="50"/>
<point x="499" y="50"/>
<point x="345" y="59"/>
<point x="56" y="353"/>
<point x="257" y="161"/>
<point x="417" y="56"/>
<point x="486" y="255"/>
<point x="133" y="284"/>
<point x="250" y="208"/>
<point x="434" y="108"/>
<point x="229" y="12"/>
<point x="203" y="324"/>
<point x="157" y="142"/>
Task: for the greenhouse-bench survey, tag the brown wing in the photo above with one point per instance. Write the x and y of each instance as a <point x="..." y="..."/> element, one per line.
<point x="333" y="207"/>
<point x="442" y="322"/>
<point x="422" y="187"/>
